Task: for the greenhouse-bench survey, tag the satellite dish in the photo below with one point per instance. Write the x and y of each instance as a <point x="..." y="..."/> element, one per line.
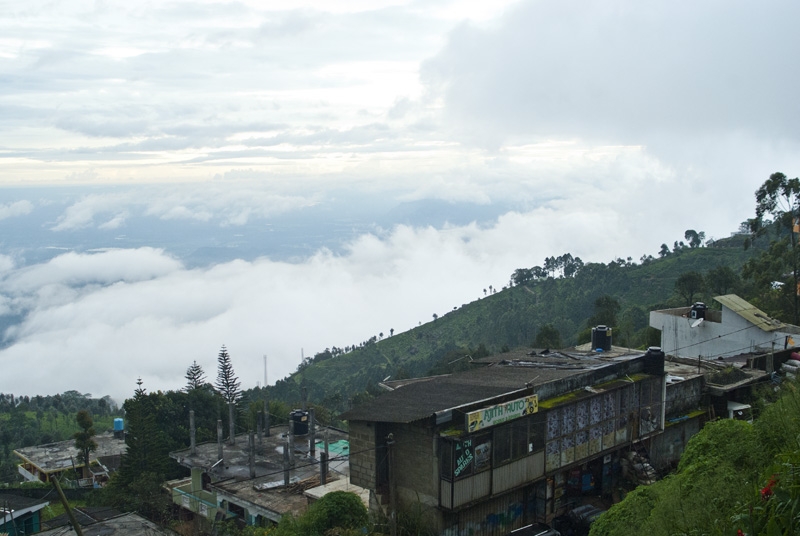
<point x="697" y="322"/>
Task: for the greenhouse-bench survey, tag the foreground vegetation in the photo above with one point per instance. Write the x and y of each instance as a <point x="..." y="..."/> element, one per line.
<point x="733" y="476"/>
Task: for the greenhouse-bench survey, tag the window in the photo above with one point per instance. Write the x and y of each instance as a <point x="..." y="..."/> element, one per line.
<point x="502" y="444"/>
<point x="446" y="459"/>
<point x="519" y="438"/>
<point x="459" y="458"/>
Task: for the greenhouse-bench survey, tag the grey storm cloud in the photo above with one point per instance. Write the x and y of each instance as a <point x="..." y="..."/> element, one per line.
<point x="624" y="71"/>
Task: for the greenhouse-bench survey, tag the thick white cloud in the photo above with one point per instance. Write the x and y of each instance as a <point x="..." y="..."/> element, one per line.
<point x="96" y="322"/>
<point x="608" y="128"/>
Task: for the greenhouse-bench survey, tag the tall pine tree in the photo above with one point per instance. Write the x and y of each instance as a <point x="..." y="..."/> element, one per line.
<point x="148" y="448"/>
<point x="195" y="377"/>
<point x="227" y="383"/>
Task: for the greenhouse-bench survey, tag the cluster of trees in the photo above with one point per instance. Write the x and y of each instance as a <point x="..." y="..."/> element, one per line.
<point x="775" y="272"/>
<point x="694" y="239"/>
<point x="691" y="286"/>
<point x="564" y="266"/>
<point x="65" y="403"/>
<point x="568" y="266"/>
<point x="36" y="420"/>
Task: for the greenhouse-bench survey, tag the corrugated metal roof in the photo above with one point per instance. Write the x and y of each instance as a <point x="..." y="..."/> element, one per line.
<point x="751" y="313"/>
<point x="422" y="399"/>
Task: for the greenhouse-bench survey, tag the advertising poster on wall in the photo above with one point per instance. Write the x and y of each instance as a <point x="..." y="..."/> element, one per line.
<point x="500" y="413"/>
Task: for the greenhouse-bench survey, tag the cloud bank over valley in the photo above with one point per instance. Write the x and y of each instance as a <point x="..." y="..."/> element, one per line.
<point x="273" y="176"/>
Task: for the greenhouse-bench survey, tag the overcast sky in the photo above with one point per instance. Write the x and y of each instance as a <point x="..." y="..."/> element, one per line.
<point x="598" y="128"/>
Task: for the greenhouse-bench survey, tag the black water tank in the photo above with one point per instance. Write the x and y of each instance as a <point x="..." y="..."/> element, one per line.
<point x="299" y="421"/>
<point x="601" y="338"/>
<point x="654" y="361"/>
<point x="699" y="310"/>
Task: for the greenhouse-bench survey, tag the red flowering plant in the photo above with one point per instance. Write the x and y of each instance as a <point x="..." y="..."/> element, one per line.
<point x="776" y="510"/>
<point x="767" y="491"/>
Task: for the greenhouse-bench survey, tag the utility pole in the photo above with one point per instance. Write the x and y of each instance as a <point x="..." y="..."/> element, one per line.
<point x="192" y="432"/>
<point x="75" y="524"/>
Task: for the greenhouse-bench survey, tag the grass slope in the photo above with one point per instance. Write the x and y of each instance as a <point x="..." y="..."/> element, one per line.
<point x="508" y="318"/>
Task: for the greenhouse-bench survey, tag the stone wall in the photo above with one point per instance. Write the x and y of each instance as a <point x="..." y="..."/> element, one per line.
<point x="684" y="396"/>
<point x="362" y="454"/>
<point x="416" y="464"/>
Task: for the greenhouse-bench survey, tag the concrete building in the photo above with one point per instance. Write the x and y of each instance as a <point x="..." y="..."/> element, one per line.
<point x="20" y="515"/>
<point x="279" y="475"/>
<point x="519" y="439"/>
<point x="738" y="328"/>
<point x="43" y="462"/>
<point x="122" y="525"/>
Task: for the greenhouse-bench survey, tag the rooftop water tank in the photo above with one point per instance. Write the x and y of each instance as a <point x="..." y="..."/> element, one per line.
<point x="119" y="428"/>
<point x="299" y="422"/>
<point x="601" y="338"/>
<point x="698" y="310"/>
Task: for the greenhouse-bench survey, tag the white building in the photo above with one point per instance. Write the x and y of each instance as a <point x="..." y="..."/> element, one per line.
<point x="739" y="328"/>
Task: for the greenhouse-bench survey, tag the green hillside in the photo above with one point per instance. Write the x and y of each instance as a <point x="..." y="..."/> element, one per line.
<point x="512" y="317"/>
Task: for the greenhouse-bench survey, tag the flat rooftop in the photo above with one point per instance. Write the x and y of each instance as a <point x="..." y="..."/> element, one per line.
<point x="59" y="456"/>
<point x="268" y="455"/>
<point x="270" y="493"/>
<point x="494" y="376"/>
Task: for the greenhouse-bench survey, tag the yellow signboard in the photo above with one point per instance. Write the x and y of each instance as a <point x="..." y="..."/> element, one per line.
<point x="486" y="417"/>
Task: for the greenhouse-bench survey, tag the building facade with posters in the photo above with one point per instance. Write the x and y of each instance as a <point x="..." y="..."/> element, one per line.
<point x="518" y="439"/>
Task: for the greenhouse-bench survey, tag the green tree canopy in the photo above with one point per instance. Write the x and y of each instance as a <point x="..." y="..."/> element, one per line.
<point x="84" y="439"/>
<point x="689" y="285"/>
<point x="227" y="382"/>
<point x="195" y="377"/>
<point x="777" y="213"/>
<point x="722" y="280"/>
<point x="606" y="308"/>
<point x="548" y="337"/>
<point x="694" y="238"/>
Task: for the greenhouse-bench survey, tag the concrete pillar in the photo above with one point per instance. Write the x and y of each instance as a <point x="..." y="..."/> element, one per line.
<point x="219" y="439"/>
<point x="291" y="444"/>
<point x="192" y="432"/>
<point x="251" y="454"/>
<point x="312" y="432"/>
<point x="286" y="459"/>
<point x="266" y="418"/>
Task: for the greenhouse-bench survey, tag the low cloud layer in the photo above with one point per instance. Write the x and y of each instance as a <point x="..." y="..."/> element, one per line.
<point x="602" y="129"/>
<point x="96" y="322"/>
